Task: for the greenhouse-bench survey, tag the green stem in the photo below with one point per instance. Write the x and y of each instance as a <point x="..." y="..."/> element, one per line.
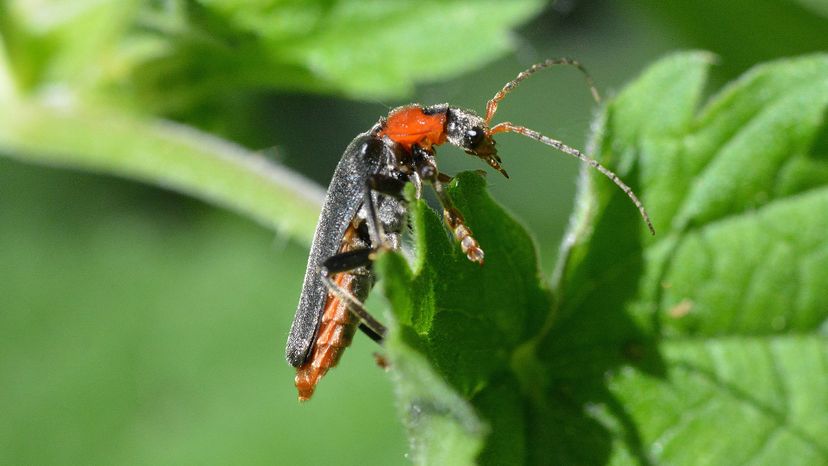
<point x="162" y="153"/>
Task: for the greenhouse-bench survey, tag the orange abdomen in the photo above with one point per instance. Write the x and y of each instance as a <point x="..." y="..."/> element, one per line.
<point x="336" y="330"/>
<point x="410" y="125"/>
<point x="335" y="333"/>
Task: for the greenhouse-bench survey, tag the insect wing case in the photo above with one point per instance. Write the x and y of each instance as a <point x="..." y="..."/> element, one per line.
<point x="363" y="157"/>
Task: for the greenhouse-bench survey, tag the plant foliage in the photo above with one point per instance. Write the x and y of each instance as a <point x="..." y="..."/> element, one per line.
<point x="704" y="344"/>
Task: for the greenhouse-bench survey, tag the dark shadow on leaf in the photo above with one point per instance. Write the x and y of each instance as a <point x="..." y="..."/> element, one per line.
<point x="594" y="336"/>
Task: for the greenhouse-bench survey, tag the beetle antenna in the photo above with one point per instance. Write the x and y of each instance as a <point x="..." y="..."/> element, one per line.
<point x="491" y="106"/>
<point x="510" y="128"/>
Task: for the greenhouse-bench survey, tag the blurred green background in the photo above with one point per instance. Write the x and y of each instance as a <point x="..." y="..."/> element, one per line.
<point x="139" y="326"/>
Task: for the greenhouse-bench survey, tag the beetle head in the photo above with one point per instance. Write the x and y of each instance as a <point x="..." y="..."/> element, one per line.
<point x="468" y="131"/>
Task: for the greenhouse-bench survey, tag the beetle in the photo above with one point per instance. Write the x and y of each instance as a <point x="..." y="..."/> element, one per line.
<point x="364" y="212"/>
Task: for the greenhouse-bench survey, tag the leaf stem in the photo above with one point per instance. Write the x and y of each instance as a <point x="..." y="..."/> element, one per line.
<point x="162" y="153"/>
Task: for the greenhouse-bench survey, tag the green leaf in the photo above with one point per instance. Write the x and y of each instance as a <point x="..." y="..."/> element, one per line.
<point x="728" y="308"/>
<point x="162" y="153"/>
<point x="442" y="425"/>
<point x="705" y="344"/>
<point x="376" y="49"/>
<point x="52" y="41"/>
<point x="731" y="28"/>
<point x="467" y="320"/>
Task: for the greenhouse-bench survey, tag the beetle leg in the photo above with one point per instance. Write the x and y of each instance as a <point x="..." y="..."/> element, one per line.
<point x="347" y="262"/>
<point x="382" y="184"/>
<point x="350" y="261"/>
<point x="418" y="184"/>
<point x="454" y="220"/>
<point x="376" y="231"/>
<point x="387" y="185"/>
<point x="426" y="167"/>
<point x="371" y="333"/>
<point x="443" y="178"/>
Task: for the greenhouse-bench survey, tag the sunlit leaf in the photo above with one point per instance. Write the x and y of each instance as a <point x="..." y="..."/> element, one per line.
<point x="703" y="344"/>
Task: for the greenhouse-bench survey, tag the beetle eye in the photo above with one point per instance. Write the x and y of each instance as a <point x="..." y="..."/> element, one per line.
<point x="473" y="137"/>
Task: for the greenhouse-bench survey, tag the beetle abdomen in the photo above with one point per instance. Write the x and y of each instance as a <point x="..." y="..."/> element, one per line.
<point x="335" y="333"/>
<point x="337" y="324"/>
